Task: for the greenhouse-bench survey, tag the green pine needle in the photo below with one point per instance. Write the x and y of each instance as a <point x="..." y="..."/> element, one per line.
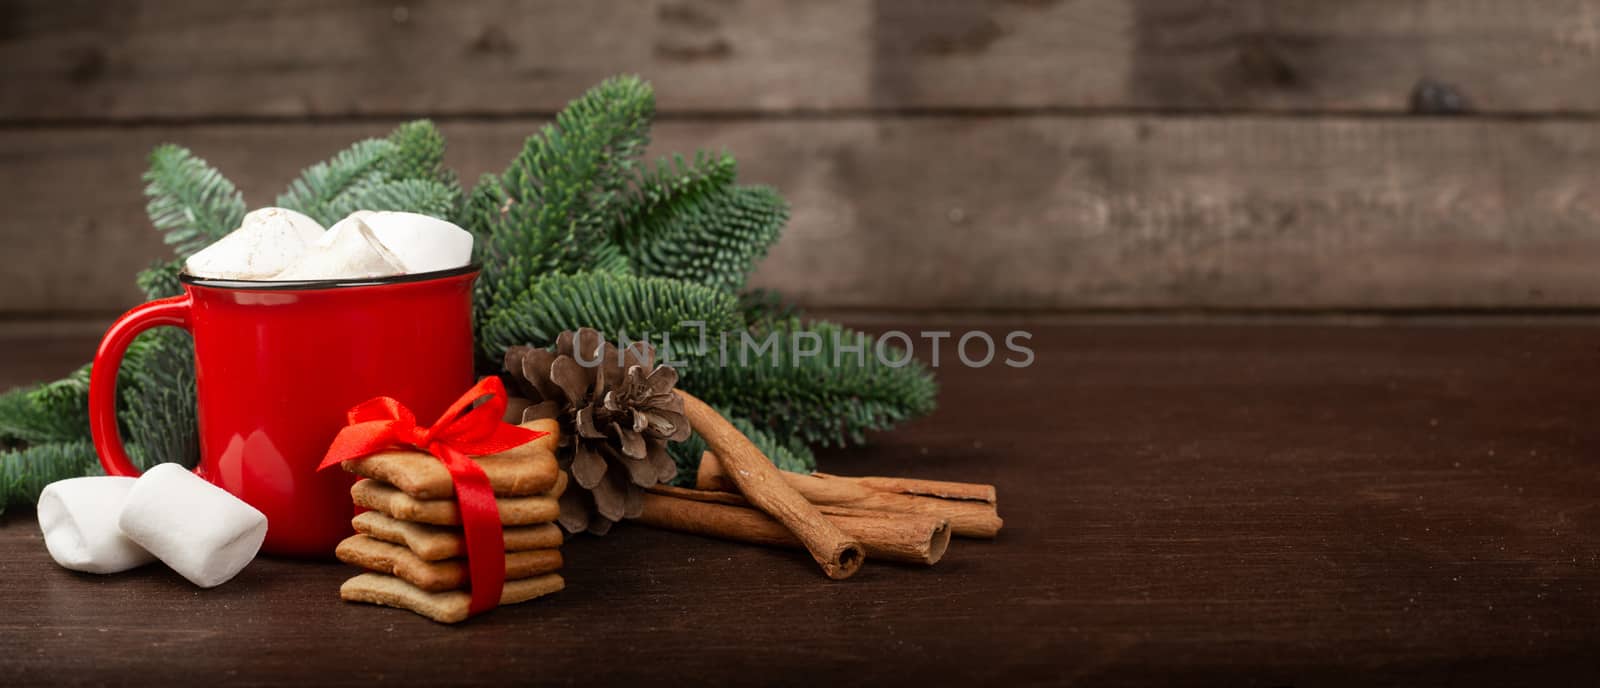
<point x="484" y="209"/>
<point x="830" y="399"/>
<point x="156" y="399"/>
<point x="161" y="280"/>
<point x="404" y="171"/>
<point x="553" y="208"/>
<point x="424" y="196"/>
<point x="764" y="308"/>
<point x="690" y="222"/>
<point x="315" y="191"/>
<point x="671" y="183"/>
<point x="715" y="242"/>
<point x="24" y="472"/>
<point x="418" y="154"/>
<point x="49" y="412"/>
<point x="189" y="201"/>
<point x="616" y="305"/>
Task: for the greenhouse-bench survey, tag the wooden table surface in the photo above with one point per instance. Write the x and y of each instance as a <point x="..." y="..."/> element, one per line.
<point x="1246" y="504"/>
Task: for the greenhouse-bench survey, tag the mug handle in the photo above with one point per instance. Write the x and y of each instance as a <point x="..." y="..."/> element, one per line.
<point x="172" y="311"/>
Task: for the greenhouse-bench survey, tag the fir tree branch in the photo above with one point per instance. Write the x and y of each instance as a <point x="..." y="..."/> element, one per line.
<point x="418" y="154"/>
<point x="553" y="208"/>
<point x="672" y="183"/>
<point x="689" y="221"/>
<point x="614" y="304"/>
<point x="313" y="193"/>
<point x="714" y="239"/>
<point x="156" y="399"/>
<point x="764" y="308"/>
<point x="49" y="412"/>
<point x="161" y="280"/>
<point x="189" y="201"/>
<point x="155" y="403"/>
<point x="25" y="472"/>
<point x="832" y="398"/>
<point x="484" y="209"/>
<point x="404" y="171"/>
<point x="424" y="196"/>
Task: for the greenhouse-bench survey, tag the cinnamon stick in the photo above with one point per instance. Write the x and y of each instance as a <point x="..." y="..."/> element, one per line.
<point x="734" y="499"/>
<point x="976" y="492"/>
<point x="840" y="555"/>
<point x="904" y="538"/>
<point x="973" y="515"/>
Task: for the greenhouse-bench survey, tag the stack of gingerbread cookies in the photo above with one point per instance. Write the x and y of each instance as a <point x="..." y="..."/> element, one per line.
<point x="411" y="540"/>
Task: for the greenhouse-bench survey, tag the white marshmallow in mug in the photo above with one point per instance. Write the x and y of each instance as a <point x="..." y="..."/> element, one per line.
<point x="78" y="517"/>
<point x="348" y="250"/>
<point x="421" y="242"/>
<point x="200" y="530"/>
<point x="266" y="242"/>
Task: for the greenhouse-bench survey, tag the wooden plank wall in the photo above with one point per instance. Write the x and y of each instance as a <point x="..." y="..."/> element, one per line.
<point x="1028" y="155"/>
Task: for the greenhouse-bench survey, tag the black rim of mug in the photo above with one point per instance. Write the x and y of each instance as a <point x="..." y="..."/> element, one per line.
<point x="304" y="285"/>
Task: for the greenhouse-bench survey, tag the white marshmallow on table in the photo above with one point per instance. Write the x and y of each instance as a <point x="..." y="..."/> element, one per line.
<point x="198" y="529"/>
<point x="422" y="243"/>
<point x="266" y="242"/>
<point x="348" y="250"/>
<point x="79" y="519"/>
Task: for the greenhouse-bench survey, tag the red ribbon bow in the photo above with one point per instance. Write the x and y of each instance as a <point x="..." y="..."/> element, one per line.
<point x="382" y="422"/>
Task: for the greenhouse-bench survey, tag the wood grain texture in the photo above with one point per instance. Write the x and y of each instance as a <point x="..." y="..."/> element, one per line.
<point x="1185" y="505"/>
<point x="976" y="213"/>
<point x="42" y="351"/>
<point x="188" y="59"/>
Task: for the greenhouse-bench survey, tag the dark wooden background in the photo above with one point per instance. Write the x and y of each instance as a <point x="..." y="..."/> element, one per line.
<point x="1029" y="155"/>
<point x="1190" y="498"/>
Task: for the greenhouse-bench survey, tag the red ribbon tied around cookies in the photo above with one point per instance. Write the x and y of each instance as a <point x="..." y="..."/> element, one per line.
<point x="382" y="422"/>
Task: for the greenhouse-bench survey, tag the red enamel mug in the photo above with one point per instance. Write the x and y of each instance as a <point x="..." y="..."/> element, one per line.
<point x="277" y="366"/>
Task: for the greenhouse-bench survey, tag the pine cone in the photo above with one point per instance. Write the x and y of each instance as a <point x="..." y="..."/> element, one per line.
<point x="615" y="421"/>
